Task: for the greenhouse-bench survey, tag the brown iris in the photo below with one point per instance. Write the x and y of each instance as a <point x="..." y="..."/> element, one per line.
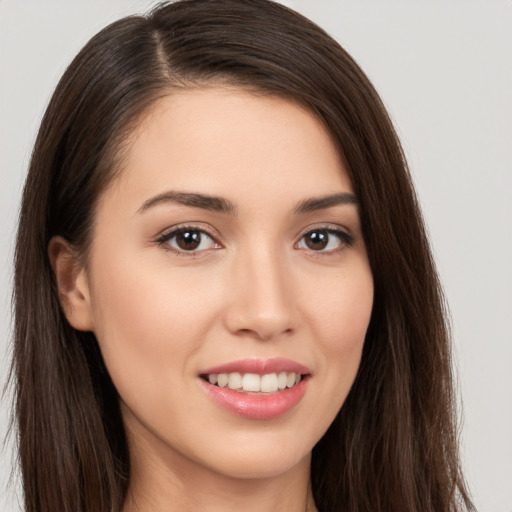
<point x="317" y="240"/>
<point x="188" y="240"/>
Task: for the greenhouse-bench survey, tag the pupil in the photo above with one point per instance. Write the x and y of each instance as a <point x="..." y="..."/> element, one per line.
<point x="188" y="240"/>
<point x="317" y="240"/>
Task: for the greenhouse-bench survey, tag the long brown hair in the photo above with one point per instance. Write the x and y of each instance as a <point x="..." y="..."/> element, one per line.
<point x="393" y="445"/>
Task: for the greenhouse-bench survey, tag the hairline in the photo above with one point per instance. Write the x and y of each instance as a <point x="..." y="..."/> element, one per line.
<point x="119" y="144"/>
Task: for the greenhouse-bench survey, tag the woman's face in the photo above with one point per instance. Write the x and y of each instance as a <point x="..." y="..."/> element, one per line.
<point x="229" y="251"/>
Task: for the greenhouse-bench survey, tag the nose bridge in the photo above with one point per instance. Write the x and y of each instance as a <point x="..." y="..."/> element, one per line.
<point x="262" y="300"/>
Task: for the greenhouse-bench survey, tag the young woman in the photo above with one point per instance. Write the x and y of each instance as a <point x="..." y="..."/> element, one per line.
<point x="224" y="293"/>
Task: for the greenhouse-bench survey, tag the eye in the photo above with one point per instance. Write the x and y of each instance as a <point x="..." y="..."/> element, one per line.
<point x="188" y="240"/>
<point x="325" y="240"/>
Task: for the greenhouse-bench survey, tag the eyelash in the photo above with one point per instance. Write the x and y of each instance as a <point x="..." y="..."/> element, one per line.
<point x="163" y="239"/>
<point x="346" y="239"/>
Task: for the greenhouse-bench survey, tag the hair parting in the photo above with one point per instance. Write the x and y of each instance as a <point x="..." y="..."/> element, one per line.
<point x="393" y="445"/>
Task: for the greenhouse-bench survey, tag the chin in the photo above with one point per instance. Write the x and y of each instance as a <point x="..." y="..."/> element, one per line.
<point x="258" y="457"/>
<point x="249" y="466"/>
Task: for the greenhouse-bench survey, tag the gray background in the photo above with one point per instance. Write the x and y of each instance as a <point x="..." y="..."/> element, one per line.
<point x="444" y="70"/>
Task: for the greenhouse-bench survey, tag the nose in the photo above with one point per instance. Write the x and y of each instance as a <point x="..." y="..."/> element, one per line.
<point x="262" y="301"/>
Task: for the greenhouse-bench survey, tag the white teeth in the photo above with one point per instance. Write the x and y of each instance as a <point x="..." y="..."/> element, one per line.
<point x="222" y="380"/>
<point x="269" y="383"/>
<point x="235" y="381"/>
<point x="252" y="382"/>
<point x="282" y="379"/>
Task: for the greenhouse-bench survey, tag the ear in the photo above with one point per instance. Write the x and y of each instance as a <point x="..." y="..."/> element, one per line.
<point x="72" y="285"/>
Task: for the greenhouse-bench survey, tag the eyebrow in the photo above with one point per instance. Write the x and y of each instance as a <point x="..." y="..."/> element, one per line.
<point x="205" y="202"/>
<point x="321" y="203"/>
<point x="222" y="205"/>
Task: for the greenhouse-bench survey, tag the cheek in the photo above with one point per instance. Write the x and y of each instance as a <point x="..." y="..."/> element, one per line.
<point x="340" y="316"/>
<point x="341" y="308"/>
<point x="147" y="323"/>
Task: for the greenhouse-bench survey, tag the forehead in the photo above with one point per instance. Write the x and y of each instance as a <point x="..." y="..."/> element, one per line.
<point x="224" y="141"/>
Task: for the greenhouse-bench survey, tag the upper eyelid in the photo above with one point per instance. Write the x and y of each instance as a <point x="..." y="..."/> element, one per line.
<point x="328" y="226"/>
<point x="346" y="236"/>
<point x="167" y="233"/>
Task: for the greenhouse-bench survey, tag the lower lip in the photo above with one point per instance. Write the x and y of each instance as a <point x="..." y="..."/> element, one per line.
<point x="256" y="406"/>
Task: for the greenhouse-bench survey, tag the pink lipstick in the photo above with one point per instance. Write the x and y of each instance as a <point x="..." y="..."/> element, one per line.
<point x="260" y="366"/>
<point x="256" y="388"/>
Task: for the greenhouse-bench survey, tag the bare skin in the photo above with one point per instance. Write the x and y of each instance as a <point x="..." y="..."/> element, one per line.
<point x="274" y="266"/>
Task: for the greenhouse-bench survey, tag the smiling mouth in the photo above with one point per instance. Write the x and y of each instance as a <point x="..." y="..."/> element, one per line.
<point x="253" y="383"/>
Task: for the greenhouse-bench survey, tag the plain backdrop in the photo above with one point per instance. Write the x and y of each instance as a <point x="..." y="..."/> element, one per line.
<point x="444" y="70"/>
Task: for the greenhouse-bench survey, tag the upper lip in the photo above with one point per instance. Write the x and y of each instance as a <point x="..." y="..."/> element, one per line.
<point x="259" y="367"/>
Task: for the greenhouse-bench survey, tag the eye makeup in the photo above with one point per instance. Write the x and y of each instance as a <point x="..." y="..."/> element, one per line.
<point x="190" y="240"/>
<point x="325" y="239"/>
